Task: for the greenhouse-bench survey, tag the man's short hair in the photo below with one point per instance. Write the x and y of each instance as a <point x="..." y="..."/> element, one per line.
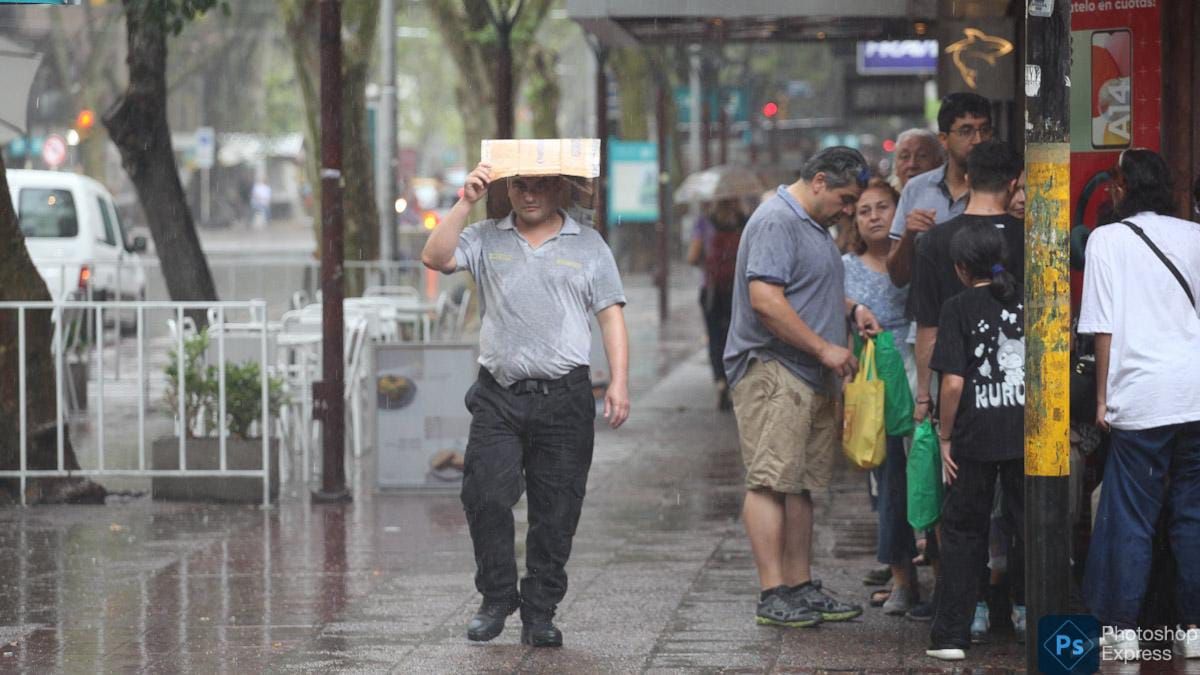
<point x="992" y="165"/>
<point x="925" y="135"/>
<point x="841" y="166"/>
<point x="960" y="104"/>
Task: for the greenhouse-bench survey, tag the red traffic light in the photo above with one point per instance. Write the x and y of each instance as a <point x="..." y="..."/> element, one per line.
<point x="770" y="109"/>
<point x="85" y="120"/>
<point x="889" y="145"/>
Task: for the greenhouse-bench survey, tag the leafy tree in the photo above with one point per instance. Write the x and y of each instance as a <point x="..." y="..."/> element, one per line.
<point x="137" y="124"/>
<point x="360" y="19"/>
<point x="492" y="43"/>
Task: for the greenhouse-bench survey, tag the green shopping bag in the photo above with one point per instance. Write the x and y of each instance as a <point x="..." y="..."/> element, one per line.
<point x="897" y="397"/>
<point x="924" y="478"/>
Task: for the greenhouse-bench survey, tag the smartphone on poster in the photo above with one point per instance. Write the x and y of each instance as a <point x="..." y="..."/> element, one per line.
<point x="1112" y="89"/>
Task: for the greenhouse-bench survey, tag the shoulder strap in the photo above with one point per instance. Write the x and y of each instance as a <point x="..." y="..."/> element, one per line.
<point x="1171" y="266"/>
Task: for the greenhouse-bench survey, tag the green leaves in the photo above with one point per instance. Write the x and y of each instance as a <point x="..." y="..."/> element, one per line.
<point x="173" y="15"/>
<point x="201" y="385"/>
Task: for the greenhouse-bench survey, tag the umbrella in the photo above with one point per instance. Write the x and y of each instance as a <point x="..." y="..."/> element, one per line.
<point x="725" y="181"/>
<point x="17" y="69"/>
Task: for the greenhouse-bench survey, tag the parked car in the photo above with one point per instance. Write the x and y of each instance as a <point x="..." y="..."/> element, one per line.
<point x="75" y="237"/>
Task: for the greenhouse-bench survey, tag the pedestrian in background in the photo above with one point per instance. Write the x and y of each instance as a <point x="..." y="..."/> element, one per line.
<point x="541" y="276"/>
<point x="1144" y="317"/>
<point x="867" y="283"/>
<point x="785" y="358"/>
<point x="713" y="248"/>
<point x="980" y="355"/>
<point x="917" y="151"/>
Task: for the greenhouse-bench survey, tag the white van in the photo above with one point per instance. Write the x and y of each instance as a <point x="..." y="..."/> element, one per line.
<point x="75" y="237"/>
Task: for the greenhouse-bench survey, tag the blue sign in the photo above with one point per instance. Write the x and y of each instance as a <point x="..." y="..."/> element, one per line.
<point x="734" y="99"/>
<point x="632" y="181"/>
<point x="1068" y="644"/>
<point x="897" y="57"/>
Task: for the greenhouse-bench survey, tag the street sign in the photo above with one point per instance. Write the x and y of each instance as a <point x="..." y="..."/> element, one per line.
<point x="205" y="149"/>
<point x="54" y="151"/>
<point x="632" y="182"/>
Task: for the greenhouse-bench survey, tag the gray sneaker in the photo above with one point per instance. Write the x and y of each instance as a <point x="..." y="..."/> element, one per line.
<point x="810" y="595"/>
<point x="777" y="608"/>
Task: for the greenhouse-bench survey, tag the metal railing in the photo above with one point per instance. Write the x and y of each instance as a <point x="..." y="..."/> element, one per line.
<point x="59" y="310"/>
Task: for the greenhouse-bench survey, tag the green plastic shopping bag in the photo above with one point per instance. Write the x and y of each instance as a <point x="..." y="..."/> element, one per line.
<point x="924" y="478"/>
<point x="897" y="398"/>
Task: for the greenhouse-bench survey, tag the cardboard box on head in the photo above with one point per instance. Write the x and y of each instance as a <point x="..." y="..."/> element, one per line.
<point x="578" y="157"/>
<point x="572" y="158"/>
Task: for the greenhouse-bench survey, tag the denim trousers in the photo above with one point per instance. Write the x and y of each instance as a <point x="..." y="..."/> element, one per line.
<point x="536" y="440"/>
<point x="1147" y="470"/>
<point x="966" y="522"/>
<point x="896" y="545"/>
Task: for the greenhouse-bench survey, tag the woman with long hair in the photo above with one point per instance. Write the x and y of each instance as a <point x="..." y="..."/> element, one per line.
<point x="867" y="283"/>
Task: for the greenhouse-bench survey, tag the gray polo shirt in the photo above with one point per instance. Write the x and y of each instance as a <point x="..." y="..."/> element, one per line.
<point x="535" y="304"/>
<point x="927" y="191"/>
<point x="782" y="245"/>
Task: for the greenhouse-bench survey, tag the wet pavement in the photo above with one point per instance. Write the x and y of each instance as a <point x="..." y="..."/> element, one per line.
<point x="661" y="577"/>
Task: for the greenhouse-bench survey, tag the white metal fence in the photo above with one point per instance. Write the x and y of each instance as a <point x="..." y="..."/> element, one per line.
<point x="68" y="318"/>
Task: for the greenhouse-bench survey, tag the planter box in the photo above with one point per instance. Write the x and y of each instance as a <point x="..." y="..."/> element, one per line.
<point x="205" y="453"/>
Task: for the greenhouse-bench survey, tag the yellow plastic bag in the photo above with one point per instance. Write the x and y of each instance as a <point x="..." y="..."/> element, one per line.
<point x="863" y="438"/>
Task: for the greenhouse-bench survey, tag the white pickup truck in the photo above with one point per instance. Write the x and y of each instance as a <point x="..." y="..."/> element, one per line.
<point x="75" y="237"/>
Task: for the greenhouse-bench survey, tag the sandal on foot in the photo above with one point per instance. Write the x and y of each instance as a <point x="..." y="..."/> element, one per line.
<point x="879" y="597"/>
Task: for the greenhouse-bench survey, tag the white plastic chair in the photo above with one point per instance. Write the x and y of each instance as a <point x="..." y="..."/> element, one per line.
<point x="397" y="291"/>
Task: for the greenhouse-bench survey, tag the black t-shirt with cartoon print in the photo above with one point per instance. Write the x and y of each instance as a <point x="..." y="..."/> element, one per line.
<point x="982" y="340"/>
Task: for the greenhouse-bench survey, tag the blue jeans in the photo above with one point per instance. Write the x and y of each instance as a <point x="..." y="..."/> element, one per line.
<point x="1147" y="469"/>
<point x="895" y="544"/>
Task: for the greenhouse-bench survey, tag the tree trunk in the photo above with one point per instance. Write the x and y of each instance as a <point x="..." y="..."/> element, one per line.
<point x="544" y="93"/>
<point x="19" y="280"/>
<point x="361" y="219"/>
<point x="504" y="82"/>
<point x="137" y="124"/>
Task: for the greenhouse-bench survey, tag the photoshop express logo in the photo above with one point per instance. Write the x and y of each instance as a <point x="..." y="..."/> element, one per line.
<point x="1068" y="644"/>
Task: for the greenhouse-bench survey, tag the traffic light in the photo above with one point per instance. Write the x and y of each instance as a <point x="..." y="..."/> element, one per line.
<point x="770" y="109"/>
<point x="84" y="122"/>
<point x="429" y="220"/>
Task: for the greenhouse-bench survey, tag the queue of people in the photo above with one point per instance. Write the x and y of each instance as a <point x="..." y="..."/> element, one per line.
<point x="934" y="256"/>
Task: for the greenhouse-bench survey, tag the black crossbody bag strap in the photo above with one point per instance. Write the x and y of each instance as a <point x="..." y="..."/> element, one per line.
<point x="1171" y="266"/>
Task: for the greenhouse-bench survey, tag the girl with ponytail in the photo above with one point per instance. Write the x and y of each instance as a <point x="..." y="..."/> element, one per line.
<point x="980" y="353"/>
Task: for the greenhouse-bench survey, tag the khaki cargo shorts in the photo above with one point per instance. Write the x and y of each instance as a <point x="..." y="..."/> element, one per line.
<point x="786" y="428"/>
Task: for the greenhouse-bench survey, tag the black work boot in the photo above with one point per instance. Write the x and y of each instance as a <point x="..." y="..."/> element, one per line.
<point x="540" y="632"/>
<point x="488" y="622"/>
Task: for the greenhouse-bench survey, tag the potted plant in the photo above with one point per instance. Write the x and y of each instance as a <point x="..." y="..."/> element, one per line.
<point x="243" y="417"/>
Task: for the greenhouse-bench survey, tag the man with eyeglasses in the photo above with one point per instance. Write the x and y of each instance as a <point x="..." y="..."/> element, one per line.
<point x="932" y="198"/>
<point x="540" y="275"/>
<point x="784" y="359"/>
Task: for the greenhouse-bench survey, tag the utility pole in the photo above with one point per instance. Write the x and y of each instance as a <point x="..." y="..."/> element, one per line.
<point x="387" y="137"/>
<point x="601" y="196"/>
<point x="662" y="233"/>
<point x="1047" y="316"/>
<point x="328" y="401"/>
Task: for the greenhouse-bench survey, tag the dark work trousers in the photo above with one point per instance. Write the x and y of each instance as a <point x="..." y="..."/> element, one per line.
<point x="534" y="436"/>
<point x="718" y="310"/>
<point x="1147" y="470"/>
<point x="966" y="522"/>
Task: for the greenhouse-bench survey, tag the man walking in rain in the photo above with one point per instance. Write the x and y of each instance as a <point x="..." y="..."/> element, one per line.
<point x="785" y="357"/>
<point x="541" y="274"/>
